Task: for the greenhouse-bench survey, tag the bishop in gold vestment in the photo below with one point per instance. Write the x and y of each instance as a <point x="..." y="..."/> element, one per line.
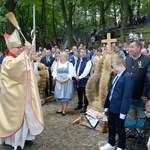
<point x="21" y="116"/>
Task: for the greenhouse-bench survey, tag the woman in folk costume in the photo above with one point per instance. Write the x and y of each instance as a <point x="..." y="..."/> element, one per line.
<point x="20" y="105"/>
<point x="64" y="89"/>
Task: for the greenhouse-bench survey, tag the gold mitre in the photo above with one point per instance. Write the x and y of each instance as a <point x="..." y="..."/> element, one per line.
<point x="13" y="39"/>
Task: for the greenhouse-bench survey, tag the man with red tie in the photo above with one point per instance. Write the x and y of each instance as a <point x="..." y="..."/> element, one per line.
<point x="82" y="70"/>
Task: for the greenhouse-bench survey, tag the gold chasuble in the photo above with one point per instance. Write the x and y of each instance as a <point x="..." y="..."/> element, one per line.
<point x="18" y="91"/>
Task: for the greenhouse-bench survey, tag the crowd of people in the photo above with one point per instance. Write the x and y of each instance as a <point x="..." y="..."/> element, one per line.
<point x="84" y="62"/>
<point x="135" y="37"/>
<point x="141" y="20"/>
<point x="69" y="69"/>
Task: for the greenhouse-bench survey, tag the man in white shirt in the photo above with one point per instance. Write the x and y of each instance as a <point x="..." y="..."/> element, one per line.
<point x="82" y="70"/>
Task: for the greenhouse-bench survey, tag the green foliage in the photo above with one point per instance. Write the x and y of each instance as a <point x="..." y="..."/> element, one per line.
<point x="145" y="7"/>
<point x="86" y="15"/>
<point x="2" y="19"/>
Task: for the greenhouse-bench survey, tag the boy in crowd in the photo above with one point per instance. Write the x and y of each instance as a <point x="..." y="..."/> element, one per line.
<point x="117" y="104"/>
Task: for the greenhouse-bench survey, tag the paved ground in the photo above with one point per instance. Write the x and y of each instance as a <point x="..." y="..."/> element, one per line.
<point x="60" y="134"/>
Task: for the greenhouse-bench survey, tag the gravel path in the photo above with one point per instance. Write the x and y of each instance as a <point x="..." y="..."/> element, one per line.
<point x="60" y="134"/>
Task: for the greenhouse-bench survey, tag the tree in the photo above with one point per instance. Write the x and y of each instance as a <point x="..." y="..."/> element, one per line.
<point x="10" y="5"/>
<point x="71" y="20"/>
<point x="138" y="7"/>
<point x="68" y="8"/>
<point x="103" y="7"/>
<point x="131" y="8"/>
<point x="53" y="20"/>
<point x="124" y="18"/>
<point x="43" y="24"/>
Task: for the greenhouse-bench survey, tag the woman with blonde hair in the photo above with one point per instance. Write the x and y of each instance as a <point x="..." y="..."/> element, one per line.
<point x="64" y="89"/>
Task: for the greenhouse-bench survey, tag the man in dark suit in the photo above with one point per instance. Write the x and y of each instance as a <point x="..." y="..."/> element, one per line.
<point x="69" y="56"/>
<point x="117" y="104"/>
<point x="48" y="60"/>
<point x="138" y="65"/>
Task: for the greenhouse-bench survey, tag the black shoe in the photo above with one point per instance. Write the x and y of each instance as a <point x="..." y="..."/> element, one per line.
<point x="58" y="112"/>
<point x="19" y="147"/>
<point x="29" y="143"/>
<point x="63" y="114"/>
<point x="78" y="107"/>
<point x="83" y="110"/>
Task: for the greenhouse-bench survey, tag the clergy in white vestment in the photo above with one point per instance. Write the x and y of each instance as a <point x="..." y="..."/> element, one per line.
<point x="21" y="116"/>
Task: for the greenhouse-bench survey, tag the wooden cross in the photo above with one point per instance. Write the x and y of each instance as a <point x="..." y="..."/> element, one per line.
<point x="109" y="41"/>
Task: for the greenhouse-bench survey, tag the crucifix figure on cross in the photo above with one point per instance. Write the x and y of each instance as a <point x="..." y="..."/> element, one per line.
<point x="109" y="41"/>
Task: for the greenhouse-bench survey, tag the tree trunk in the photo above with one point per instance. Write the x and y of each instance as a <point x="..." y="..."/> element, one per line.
<point x="138" y="8"/>
<point x="103" y="8"/>
<point x="115" y="13"/>
<point x="130" y="15"/>
<point x="10" y="6"/>
<point x="53" y="21"/>
<point x="70" y="28"/>
<point x="131" y="10"/>
<point x="43" y="23"/>
<point x="103" y="22"/>
<point x="93" y="18"/>
<point x="124" y="18"/>
<point x="68" y="22"/>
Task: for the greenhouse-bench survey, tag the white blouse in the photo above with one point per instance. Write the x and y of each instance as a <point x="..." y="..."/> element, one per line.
<point x="71" y="72"/>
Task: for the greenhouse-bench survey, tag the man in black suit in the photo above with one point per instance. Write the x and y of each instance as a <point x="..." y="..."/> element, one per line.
<point x="138" y="65"/>
<point x="48" y="60"/>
